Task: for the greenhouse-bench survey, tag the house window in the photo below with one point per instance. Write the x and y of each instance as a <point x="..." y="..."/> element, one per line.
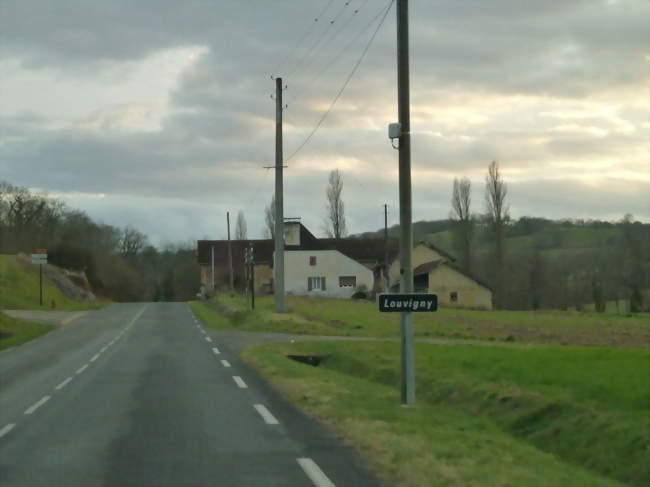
<point x="316" y="283"/>
<point x="453" y="296"/>
<point x="348" y="281"/>
<point x="312" y="260"/>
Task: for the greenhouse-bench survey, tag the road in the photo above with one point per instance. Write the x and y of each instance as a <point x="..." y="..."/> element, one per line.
<point x="141" y="394"/>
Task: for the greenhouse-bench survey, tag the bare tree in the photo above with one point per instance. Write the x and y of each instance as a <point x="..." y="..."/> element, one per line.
<point x="132" y="242"/>
<point x="241" y="230"/>
<point x="463" y="221"/>
<point x="335" y="219"/>
<point x="497" y="217"/>
<point x="269" y="219"/>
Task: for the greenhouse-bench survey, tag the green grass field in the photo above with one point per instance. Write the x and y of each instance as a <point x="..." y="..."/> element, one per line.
<point x="14" y="332"/>
<point x="488" y="416"/>
<point x="19" y="289"/>
<point x="317" y="316"/>
<point x="545" y="413"/>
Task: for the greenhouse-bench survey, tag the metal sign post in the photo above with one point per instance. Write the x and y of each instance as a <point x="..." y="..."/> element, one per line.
<point x="40" y="258"/>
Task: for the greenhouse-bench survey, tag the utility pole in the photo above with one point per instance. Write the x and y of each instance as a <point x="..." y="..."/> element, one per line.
<point x="212" y="252"/>
<point x="386" y="277"/>
<point x="40" y="284"/>
<point x="405" y="210"/>
<point x="231" y="277"/>
<point x="278" y="269"/>
<point x="251" y="273"/>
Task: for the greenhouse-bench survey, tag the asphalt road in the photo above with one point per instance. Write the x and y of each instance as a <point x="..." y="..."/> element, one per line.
<point x="142" y="395"/>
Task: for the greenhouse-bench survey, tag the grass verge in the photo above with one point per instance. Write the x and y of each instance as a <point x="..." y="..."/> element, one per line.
<point x="14" y="332"/>
<point x="319" y="316"/>
<point x="19" y="289"/>
<point x="485" y="415"/>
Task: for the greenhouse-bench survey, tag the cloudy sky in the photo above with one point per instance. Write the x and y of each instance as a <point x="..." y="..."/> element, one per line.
<point x="157" y="113"/>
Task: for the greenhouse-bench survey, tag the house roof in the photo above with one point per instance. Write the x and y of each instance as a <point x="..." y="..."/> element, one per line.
<point x="427" y="267"/>
<point x="359" y="249"/>
<point x="439" y="250"/>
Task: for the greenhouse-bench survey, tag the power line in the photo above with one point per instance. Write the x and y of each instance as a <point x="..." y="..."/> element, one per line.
<point x="302" y="39"/>
<point x="334" y="35"/>
<point x="318" y="41"/>
<point x="337" y="57"/>
<point x="345" y="84"/>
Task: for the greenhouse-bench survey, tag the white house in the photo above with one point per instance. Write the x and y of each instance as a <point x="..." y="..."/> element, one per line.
<point x="326" y="273"/>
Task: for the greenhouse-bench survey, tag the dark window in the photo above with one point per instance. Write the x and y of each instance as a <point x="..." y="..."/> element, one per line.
<point x="314" y="283"/>
<point x="348" y="281"/>
<point x="312" y="260"/>
<point x="453" y="296"/>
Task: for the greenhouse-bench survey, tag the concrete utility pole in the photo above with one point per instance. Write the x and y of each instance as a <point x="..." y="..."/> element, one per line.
<point x="386" y="276"/>
<point x="230" y="276"/>
<point x="278" y="269"/>
<point x="405" y="210"/>
<point x="212" y="275"/>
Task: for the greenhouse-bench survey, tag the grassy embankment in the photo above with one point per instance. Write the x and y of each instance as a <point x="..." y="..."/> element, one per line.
<point x="553" y="415"/>
<point x="315" y="316"/>
<point x="14" y="332"/>
<point x="19" y="289"/>
<point x="488" y="416"/>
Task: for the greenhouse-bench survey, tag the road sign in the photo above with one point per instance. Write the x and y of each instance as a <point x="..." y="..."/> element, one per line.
<point x="39" y="258"/>
<point x="417" y="303"/>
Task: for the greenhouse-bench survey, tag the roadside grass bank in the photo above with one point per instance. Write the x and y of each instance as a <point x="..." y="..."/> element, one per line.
<point x="338" y="317"/>
<point x="19" y="289"/>
<point x="14" y="332"/>
<point x="485" y="416"/>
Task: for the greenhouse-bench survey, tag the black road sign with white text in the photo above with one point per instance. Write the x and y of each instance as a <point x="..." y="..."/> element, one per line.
<point x="407" y="302"/>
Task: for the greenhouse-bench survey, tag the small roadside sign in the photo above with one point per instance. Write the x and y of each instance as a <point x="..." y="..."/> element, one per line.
<point x="39" y="258"/>
<point x="416" y="303"/>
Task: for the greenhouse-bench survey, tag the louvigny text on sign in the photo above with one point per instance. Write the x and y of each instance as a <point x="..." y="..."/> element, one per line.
<point x="407" y="302"/>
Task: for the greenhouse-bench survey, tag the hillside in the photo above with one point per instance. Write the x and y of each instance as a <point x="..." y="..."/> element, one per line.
<point x="19" y="287"/>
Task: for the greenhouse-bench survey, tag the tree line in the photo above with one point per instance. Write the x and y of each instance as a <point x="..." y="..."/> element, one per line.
<point x="120" y="263"/>
<point x="537" y="273"/>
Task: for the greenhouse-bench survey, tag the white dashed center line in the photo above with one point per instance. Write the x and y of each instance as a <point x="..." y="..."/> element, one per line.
<point x="82" y="368"/>
<point x="7" y="429"/>
<point x="266" y="414"/>
<point x="95" y="357"/>
<point x="63" y="384"/>
<point x="314" y="473"/>
<point x="103" y="349"/>
<point x="215" y="350"/>
<point x="208" y="339"/>
<point x="238" y="380"/>
<point x="225" y="363"/>
<point x="37" y="405"/>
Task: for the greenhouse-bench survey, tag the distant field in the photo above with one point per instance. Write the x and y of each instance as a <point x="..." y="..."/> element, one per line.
<point x="360" y="318"/>
<point x="14" y="332"/>
<point x="485" y="416"/>
<point x="19" y="289"/>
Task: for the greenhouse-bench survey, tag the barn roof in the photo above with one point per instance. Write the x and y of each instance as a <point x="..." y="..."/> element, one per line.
<point x="427" y="267"/>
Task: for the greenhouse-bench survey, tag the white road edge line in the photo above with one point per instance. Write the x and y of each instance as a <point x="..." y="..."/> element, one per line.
<point x="37" y="405"/>
<point x="63" y="384"/>
<point x="95" y="357"/>
<point x="203" y="331"/>
<point x="238" y="380"/>
<point x="225" y="363"/>
<point x="315" y="473"/>
<point x="266" y="414"/>
<point x="208" y="339"/>
<point x="103" y="349"/>
<point x="7" y="429"/>
<point x="82" y="368"/>
<point x="216" y="351"/>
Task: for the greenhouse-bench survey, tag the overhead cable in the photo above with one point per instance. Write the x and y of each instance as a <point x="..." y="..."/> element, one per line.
<point x="345" y="84"/>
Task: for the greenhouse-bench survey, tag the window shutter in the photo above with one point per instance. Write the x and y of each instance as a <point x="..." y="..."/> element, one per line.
<point x="309" y="284"/>
<point x="322" y="283"/>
